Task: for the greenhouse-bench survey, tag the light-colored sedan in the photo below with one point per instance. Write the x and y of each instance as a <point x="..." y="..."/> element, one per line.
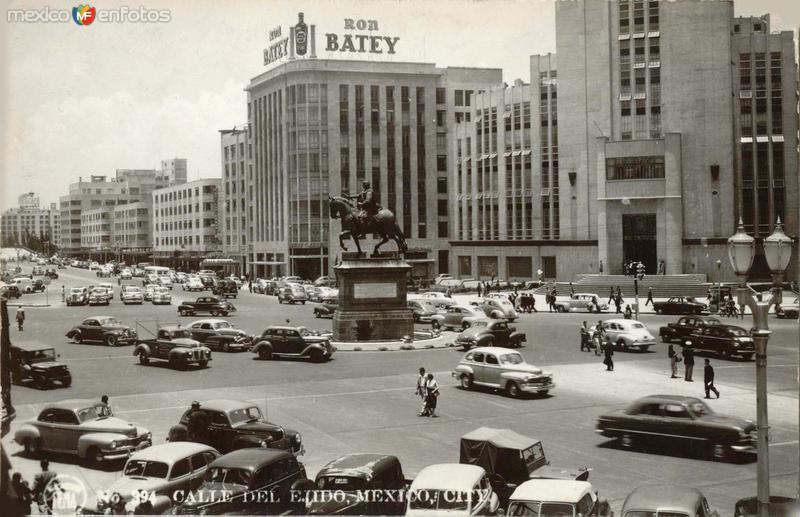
<point x="457" y="317"/>
<point x="158" y="474"/>
<point x="132" y="294"/>
<point x="193" y="283"/>
<point x="452" y="489"/>
<point x="628" y="334"/>
<point x="582" y="302"/>
<point x="149" y="290"/>
<point x="557" y="497"/>
<point x="165" y="281"/>
<point x="502" y="369"/>
<point x="126" y="274"/>
<point x="161" y="296"/>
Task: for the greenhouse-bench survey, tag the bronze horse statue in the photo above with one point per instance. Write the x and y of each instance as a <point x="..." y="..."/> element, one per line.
<point x="355" y="226"/>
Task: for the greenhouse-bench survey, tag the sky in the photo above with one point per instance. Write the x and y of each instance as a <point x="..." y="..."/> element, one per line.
<point x="87" y="100"/>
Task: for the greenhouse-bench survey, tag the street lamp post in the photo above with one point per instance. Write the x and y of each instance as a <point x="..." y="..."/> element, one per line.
<point x="741" y="252"/>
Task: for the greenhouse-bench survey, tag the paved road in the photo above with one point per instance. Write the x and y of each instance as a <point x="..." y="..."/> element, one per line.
<point x="362" y="401"/>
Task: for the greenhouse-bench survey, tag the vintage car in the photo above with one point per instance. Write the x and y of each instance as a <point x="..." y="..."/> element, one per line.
<point x="126" y="274"/>
<point x="226" y="288"/>
<point x="679" y="305"/>
<point x="788" y="310"/>
<point x="237" y="424"/>
<point x="452" y="489"/>
<point x="557" y="497"/>
<point x="165" y="281"/>
<point x="99" y="296"/>
<point x="778" y="506"/>
<point x="103" y="329"/>
<point x="10" y="291"/>
<point x="39" y="364"/>
<point x="193" y="283"/>
<point x="249" y="482"/>
<point x="667" y="500"/>
<point x="149" y="290"/>
<point x="312" y="292"/>
<point x="490" y="333"/>
<point x="628" y="335"/>
<point x="457" y="317"/>
<point x="37" y="271"/>
<point x="211" y="304"/>
<point x="502" y="369"/>
<point x="80" y="427"/>
<point x="108" y="287"/>
<point x="724" y="340"/>
<point x="510" y="459"/>
<point x="158" y="474"/>
<point x="51" y="273"/>
<point x="356" y="473"/>
<point x="499" y="308"/>
<point x="220" y="335"/>
<point x="292" y="293"/>
<point x="131" y="294"/>
<point x="685" y="327"/>
<point x="422" y="309"/>
<point x="278" y="341"/>
<point x="325" y="310"/>
<point x="582" y="302"/>
<point x="104" y="272"/>
<point x="174" y="345"/>
<point x="150" y="278"/>
<point x="161" y="296"/>
<point x="78" y="296"/>
<point x="678" y="421"/>
<point x="325" y="281"/>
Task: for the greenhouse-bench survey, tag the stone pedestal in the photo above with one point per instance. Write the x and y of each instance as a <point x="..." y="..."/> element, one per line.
<point x="372" y="299"/>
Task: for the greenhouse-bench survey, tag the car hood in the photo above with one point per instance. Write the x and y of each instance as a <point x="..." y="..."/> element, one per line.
<point x="111" y="425"/>
<point x="258" y="427"/>
<point x="524" y="368"/>
<point x="730" y="421"/>
<point x="47" y="365"/>
<point x="332" y="506"/>
<point x="472" y="332"/>
<point x="315" y="339"/>
<point x="116" y="327"/>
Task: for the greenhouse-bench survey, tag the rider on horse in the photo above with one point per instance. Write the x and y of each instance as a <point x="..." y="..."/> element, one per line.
<point x="366" y="202"/>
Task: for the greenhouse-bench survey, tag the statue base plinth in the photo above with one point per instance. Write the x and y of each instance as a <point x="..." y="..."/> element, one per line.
<point x="372" y="300"/>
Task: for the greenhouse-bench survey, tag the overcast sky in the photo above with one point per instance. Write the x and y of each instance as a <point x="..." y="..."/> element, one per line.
<point x="88" y="100"/>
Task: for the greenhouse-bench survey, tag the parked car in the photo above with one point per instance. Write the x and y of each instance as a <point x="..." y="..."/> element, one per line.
<point x="226" y="288"/>
<point x="158" y="474"/>
<point x="131" y="294"/>
<point x="684" y="422"/>
<point x="453" y="489"/>
<point x="279" y="341"/>
<point x="211" y="304"/>
<point x="149" y="289"/>
<point x="628" y="334"/>
<point x="219" y="334"/>
<point x="174" y="345"/>
<point x="685" y="327"/>
<point x="672" y="500"/>
<point x="457" y="317"/>
<point x="126" y="274"/>
<point x="78" y="296"/>
<point x="679" y="305"/>
<point x="51" y="273"/>
<point x="238" y="424"/>
<point x="499" y="308"/>
<point x="193" y="283"/>
<point x="724" y="340"/>
<point x="37" y="271"/>
<point x="80" y="427"/>
<point x="557" y="497"/>
<point x="11" y="291"/>
<point x="293" y="293"/>
<point x="103" y="329"/>
<point x="38" y="363"/>
<point x="161" y="296"/>
<point x="24" y="284"/>
<point x="325" y="281"/>
<point x="778" y="506"/>
<point x="789" y="310"/>
<point x="312" y="292"/>
<point x="483" y="333"/>
<point x="247" y="476"/>
<point x="325" y="310"/>
<point x="502" y="369"/>
<point x="357" y="473"/>
<point x="422" y="309"/>
<point x="150" y="278"/>
<point x="582" y="302"/>
<point x="109" y="289"/>
<point x="99" y="296"/>
<point x="165" y="281"/>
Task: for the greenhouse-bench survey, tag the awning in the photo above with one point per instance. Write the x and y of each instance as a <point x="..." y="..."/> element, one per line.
<point x="526" y="153"/>
<point x="267" y="263"/>
<point x="507" y="114"/>
<point x="420" y="261"/>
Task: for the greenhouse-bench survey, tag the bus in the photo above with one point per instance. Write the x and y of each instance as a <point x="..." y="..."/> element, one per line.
<point x="156" y="270"/>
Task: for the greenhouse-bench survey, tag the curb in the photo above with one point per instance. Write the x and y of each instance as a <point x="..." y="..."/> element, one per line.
<point x="438" y="342"/>
<point x="30" y="305"/>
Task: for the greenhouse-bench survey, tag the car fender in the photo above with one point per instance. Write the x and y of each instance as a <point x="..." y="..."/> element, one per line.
<point x="261" y="344"/>
<point x="312" y="346"/>
<point x="514" y="376"/>
<point x="470" y="320"/>
<point x="26" y="432"/>
<point x="567" y="305"/>
<point x="463" y="369"/>
<point x="101" y="440"/>
<point x="517" y="336"/>
<point x="496" y="314"/>
<point x="245" y="441"/>
<point x="484" y="339"/>
<point x="142" y="349"/>
<point x="72" y="332"/>
<point x="438" y="317"/>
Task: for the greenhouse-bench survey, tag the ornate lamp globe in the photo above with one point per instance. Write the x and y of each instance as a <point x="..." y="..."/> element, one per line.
<point x="778" y="249"/>
<point x="741" y="250"/>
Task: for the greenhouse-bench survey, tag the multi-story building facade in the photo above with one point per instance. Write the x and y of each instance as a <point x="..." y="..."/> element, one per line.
<point x="235" y="193"/>
<point x="504" y="194"/>
<point x="174" y="171"/>
<point x="132" y="231"/>
<point x="185" y="223"/>
<point x="29" y="225"/>
<point x="322" y="127"/>
<point x="97" y="229"/>
<point x="28" y="201"/>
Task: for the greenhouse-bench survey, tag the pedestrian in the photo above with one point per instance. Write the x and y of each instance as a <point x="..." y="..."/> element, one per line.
<point x="662" y="267"/>
<point x="599" y="337"/>
<point x="119" y="280"/>
<point x="21" y="494"/>
<point x="532" y="304"/>
<point x="432" y="393"/>
<point x="63" y="294"/>
<point x="673" y="361"/>
<point x="421" y="380"/>
<point x="197" y="427"/>
<point x="479" y="289"/>
<point x="600" y="268"/>
<point x="448" y="293"/>
<point x="608" y="352"/>
<point x="42" y="493"/>
<point x="553" y="300"/>
<point x="585" y="338"/>
<point x="708" y="379"/>
<point x="611" y="296"/>
<point x="688" y="361"/>
<point x="20" y="318"/>
<point x="628" y="312"/>
<point x="250" y="286"/>
<point x="105" y="407"/>
<point x="649" y="296"/>
<point x="618" y="304"/>
<point x="571" y="290"/>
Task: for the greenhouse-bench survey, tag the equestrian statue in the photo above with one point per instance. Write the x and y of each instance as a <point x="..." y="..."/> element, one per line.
<point x="366" y="217"/>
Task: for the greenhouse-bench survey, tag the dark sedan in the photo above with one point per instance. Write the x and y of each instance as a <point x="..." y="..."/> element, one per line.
<point x="679" y="305"/>
<point x="681" y="422"/>
<point x="724" y="340"/>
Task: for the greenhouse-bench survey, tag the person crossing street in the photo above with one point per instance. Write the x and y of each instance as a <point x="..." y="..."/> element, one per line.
<point x="673" y="361"/>
<point x="708" y="379"/>
<point x="649" y="296"/>
<point x="20" y="317"/>
<point x="688" y="361"/>
<point x="421" y="380"/>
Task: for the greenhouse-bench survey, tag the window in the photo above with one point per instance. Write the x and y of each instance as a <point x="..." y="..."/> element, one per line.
<point x="491" y="359"/>
<point x="181" y="468"/>
<point x="441" y="96"/>
<point x="459" y="97"/>
<point x="642" y="167"/>
<point x="441" y="185"/>
<point x="443" y="230"/>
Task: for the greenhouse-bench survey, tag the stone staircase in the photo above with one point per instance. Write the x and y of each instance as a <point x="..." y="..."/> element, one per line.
<point x="664" y="286"/>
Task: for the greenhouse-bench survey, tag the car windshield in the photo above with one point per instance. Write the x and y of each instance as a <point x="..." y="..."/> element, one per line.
<point x="738" y="332"/>
<point x="343" y="483"/>
<point x="712" y="321"/>
<point x="88" y="414"/>
<point x="480" y="323"/>
<point x="43" y="356"/>
<point x="222" y="325"/>
<point x="439" y="500"/>
<point x="76" y="291"/>
<point x="637" y="326"/>
<point x="511" y="359"/>
<point x="132" y="290"/>
<point x="228" y="475"/>
<point x="540" y="509"/>
<point x="110" y="321"/>
<point x="699" y="408"/>
<point x="146" y="469"/>
<point x="251" y="414"/>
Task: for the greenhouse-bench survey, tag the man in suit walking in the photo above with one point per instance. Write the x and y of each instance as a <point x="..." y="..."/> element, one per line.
<point x="688" y="361"/>
<point x="708" y="380"/>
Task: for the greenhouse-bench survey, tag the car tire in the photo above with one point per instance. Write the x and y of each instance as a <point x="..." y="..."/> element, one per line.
<point x="725" y="353"/>
<point x="435" y="325"/>
<point x="747" y="357"/>
<point x="622" y="345"/>
<point x="66" y="382"/>
<point x="203" y="364"/>
<point x="111" y="340"/>
<point x="465" y="325"/>
<point x="466" y="382"/>
<point x="215" y="313"/>
<point x="77" y="338"/>
<point x="659" y="310"/>
<point x="513" y="391"/>
<point x="225" y="347"/>
<point x="560" y="308"/>
<point x="94" y="457"/>
<point x="627" y="441"/>
<point x="183" y="312"/>
<point x="143" y="359"/>
<point x="33" y="447"/>
<point x="265" y="354"/>
<point x="316" y="314"/>
<point x="316" y="356"/>
<point x="302" y="302"/>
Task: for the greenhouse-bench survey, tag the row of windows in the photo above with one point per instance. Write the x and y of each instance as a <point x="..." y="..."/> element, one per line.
<point x="184" y="194"/>
<point x="636" y="168"/>
<point x="185" y="240"/>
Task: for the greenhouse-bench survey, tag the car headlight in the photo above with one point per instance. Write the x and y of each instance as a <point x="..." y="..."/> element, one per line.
<point x="298" y="438"/>
<point x="149" y="436"/>
<point x="114" y="445"/>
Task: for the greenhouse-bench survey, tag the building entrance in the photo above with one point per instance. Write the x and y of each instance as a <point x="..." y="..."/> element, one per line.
<point x="639" y="241"/>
